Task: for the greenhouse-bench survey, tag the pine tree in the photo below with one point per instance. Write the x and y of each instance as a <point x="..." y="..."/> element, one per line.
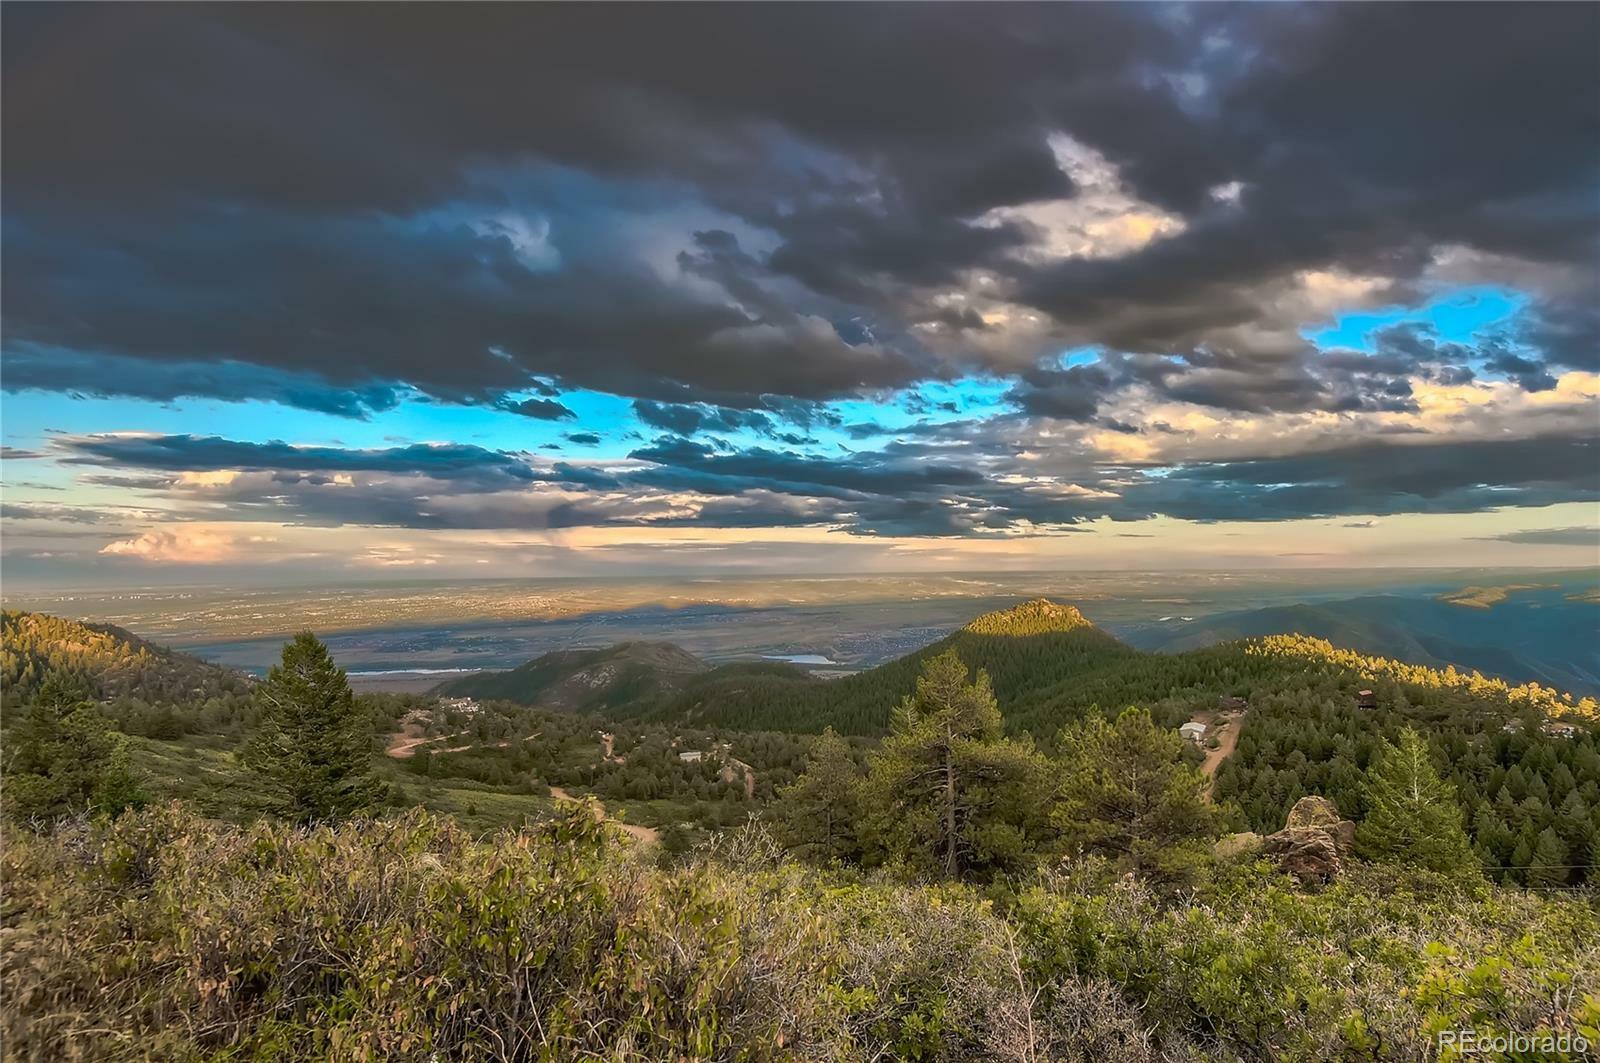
<point x="1127" y="793"/>
<point x="817" y="814"/>
<point x="312" y="750"/>
<point x="65" y="758"/>
<point x="945" y="793"/>
<point x="1412" y="815"/>
<point x="1548" y="865"/>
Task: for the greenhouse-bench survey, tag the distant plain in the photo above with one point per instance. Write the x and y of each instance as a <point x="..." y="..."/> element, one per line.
<point x="411" y="635"/>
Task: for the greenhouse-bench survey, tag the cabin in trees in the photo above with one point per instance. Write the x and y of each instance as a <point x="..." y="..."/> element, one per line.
<point x="692" y="756"/>
<point x="1366" y="699"/>
<point x="1194" y="732"/>
<point x="1227" y="704"/>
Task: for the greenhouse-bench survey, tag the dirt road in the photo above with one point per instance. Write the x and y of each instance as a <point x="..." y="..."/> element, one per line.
<point x="648" y="835"/>
<point x="1225" y="728"/>
<point x="403" y="746"/>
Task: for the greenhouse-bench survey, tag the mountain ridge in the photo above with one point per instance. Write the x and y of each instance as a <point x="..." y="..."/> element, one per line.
<point x="607" y="678"/>
<point x="107" y="660"/>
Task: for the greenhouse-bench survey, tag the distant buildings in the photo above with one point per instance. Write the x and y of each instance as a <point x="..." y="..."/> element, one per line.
<point x="1366" y="699"/>
<point x="1194" y="732"/>
<point x="463" y="705"/>
<point x="692" y="756"/>
<point x="1227" y="704"/>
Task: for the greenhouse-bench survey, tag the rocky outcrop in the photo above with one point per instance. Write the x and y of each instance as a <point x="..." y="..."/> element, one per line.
<point x="1323" y="814"/>
<point x="1307" y="853"/>
<point x="1235" y="846"/>
<point x="1314" y="841"/>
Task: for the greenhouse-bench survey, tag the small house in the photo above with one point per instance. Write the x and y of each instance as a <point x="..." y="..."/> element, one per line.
<point x="1557" y="729"/>
<point x="1366" y="699"/>
<point x="1194" y="732"/>
<point x="691" y="756"/>
<point x="1227" y="704"/>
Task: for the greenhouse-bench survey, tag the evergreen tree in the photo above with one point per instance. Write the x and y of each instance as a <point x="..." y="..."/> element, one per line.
<point x="65" y="758"/>
<point x="1412" y="815"/>
<point x="817" y="814"/>
<point x="1548" y="865"/>
<point x="945" y="793"/>
<point x="312" y="750"/>
<point x="1127" y="793"/>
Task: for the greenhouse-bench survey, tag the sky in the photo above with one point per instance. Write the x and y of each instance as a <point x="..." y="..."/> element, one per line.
<point x="322" y="292"/>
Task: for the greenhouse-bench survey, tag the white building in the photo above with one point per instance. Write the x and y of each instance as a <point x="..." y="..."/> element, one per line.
<point x="1194" y="732"/>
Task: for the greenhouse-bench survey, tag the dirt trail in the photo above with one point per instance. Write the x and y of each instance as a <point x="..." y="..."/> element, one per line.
<point x="649" y="835"/>
<point x="403" y="745"/>
<point x="1225" y="729"/>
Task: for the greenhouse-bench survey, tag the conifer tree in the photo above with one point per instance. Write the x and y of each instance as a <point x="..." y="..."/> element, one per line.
<point x="817" y="813"/>
<point x="945" y="793"/>
<point x="312" y="750"/>
<point x="1412" y="815"/>
<point x="1548" y="865"/>
<point x="1127" y="793"/>
<point x="64" y="757"/>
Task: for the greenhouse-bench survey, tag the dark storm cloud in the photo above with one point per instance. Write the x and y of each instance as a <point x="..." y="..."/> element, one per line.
<point x="186" y="453"/>
<point x="247" y="164"/>
<point x="1381" y="477"/>
<point x="1579" y="536"/>
<point x="33" y="367"/>
<point x="64" y="514"/>
<point x="539" y="409"/>
<point x="688" y="419"/>
<point x="1072" y="394"/>
<point x="903" y="489"/>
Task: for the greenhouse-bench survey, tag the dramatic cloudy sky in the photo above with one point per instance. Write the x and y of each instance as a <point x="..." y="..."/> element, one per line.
<point x="535" y="290"/>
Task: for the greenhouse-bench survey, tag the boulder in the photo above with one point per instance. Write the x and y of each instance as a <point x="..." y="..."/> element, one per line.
<point x="1344" y="836"/>
<point x="1322" y="814"/>
<point x="1312" y="812"/>
<point x="1307" y="853"/>
<point x="1236" y="846"/>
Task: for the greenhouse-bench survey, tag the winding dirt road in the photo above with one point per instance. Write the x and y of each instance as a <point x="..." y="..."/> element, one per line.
<point x="648" y="835"/>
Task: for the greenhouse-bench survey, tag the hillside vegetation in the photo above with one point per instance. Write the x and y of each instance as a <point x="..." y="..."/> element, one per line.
<point x="1538" y="634"/>
<point x="406" y="939"/>
<point x="1049" y="666"/>
<point x="1021" y="868"/>
<point x="106" y="661"/>
<point x="611" y="679"/>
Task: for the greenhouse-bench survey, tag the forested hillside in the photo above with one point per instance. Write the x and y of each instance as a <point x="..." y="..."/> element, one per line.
<point x="147" y="689"/>
<point x="1049" y="665"/>
<point x="1535" y="634"/>
<point x="1033" y="647"/>
<point x="615" y="678"/>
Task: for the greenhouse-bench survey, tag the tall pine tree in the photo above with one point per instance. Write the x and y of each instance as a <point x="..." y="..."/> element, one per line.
<point x="312" y="750"/>
<point x="817" y="813"/>
<point x="946" y="794"/>
<point x="1412" y="815"/>
<point x="1127" y="793"/>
